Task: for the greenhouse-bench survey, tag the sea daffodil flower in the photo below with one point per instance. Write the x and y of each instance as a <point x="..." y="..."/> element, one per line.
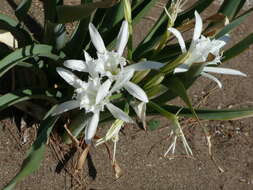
<point x="93" y="96"/>
<point x="201" y="47"/>
<point x="112" y="65"/>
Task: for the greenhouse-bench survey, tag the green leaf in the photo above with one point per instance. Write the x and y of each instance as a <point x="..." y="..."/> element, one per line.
<point x="27" y="52"/>
<point x="238" y="48"/>
<point x="60" y="36"/>
<point x="208" y="114"/>
<point x="142" y="9"/>
<point x="31" y="23"/>
<point x="50" y="10"/>
<point x="11" y="25"/>
<point x="4" y="50"/>
<point x="78" y="37"/>
<point x="238" y="20"/>
<point x="17" y="96"/>
<point x="23" y="8"/>
<point x="112" y="17"/>
<point x="230" y="8"/>
<point x="178" y="88"/>
<point x="66" y="13"/>
<point x="187" y="78"/>
<point x="35" y="154"/>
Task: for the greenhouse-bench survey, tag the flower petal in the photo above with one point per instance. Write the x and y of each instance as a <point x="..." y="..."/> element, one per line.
<point x="226" y="38"/>
<point x="123" y="77"/>
<point x="140" y="110"/>
<point x="145" y="65"/>
<point x="198" y="26"/>
<point x="69" y="77"/>
<point x="181" y="68"/>
<point x="225" y="71"/>
<point x="65" y="106"/>
<point x="179" y="38"/>
<point x="136" y="91"/>
<point x="91" y="129"/>
<point x="118" y="113"/>
<point x="77" y="65"/>
<point x="212" y="78"/>
<point x="122" y="38"/>
<point x="103" y="90"/>
<point x="87" y="57"/>
<point x="96" y="39"/>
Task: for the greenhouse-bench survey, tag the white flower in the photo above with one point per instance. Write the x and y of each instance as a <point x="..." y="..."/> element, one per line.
<point x="111" y="64"/>
<point x="93" y="96"/>
<point x="174" y="9"/>
<point x="200" y="49"/>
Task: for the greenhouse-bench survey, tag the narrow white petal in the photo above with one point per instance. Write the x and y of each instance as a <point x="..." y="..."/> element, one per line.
<point x="69" y="77"/>
<point x="181" y="68"/>
<point x="198" y="26"/>
<point x="77" y="65"/>
<point x="122" y="38"/>
<point x="65" y="106"/>
<point x="136" y="91"/>
<point x="87" y="56"/>
<point x="91" y="129"/>
<point x="212" y="78"/>
<point x="123" y="77"/>
<point x="140" y="110"/>
<point x="225" y="71"/>
<point x="145" y="65"/>
<point x="96" y="39"/>
<point x="103" y="90"/>
<point x="226" y="38"/>
<point x="179" y="38"/>
<point x="118" y="113"/>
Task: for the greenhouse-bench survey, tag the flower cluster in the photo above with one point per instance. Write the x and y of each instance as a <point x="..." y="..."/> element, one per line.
<point x="107" y="74"/>
<point x="203" y="50"/>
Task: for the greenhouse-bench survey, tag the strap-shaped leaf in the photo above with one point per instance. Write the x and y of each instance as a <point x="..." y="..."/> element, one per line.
<point x="141" y="10"/>
<point x="4" y="50"/>
<point x="237" y="21"/>
<point x="23" y="8"/>
<point x="36" y="153"/>
<point x="23" y="53"/>
<point x="112" y="17"/>
<point x="178" y="88"/>
<point x="230" y="8"/>
<point x="78" y="37"/>
<point x="208" y="114"/>
<point x="238" y="48"/>
<point x="11" y="25"/>
<point x="17" y="96"/>
<point x="66" y="13"/>
<point x="186" y="78"/>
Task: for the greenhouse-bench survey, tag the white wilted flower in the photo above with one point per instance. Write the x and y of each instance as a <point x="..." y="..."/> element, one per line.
<point x="93" y="96"/>
<point x="199" y="51"/>
<point x="176" y="133"/>
<point x="174" y="9"/>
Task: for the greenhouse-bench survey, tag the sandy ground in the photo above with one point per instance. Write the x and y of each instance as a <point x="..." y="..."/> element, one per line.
<point x="140" y="154"/>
